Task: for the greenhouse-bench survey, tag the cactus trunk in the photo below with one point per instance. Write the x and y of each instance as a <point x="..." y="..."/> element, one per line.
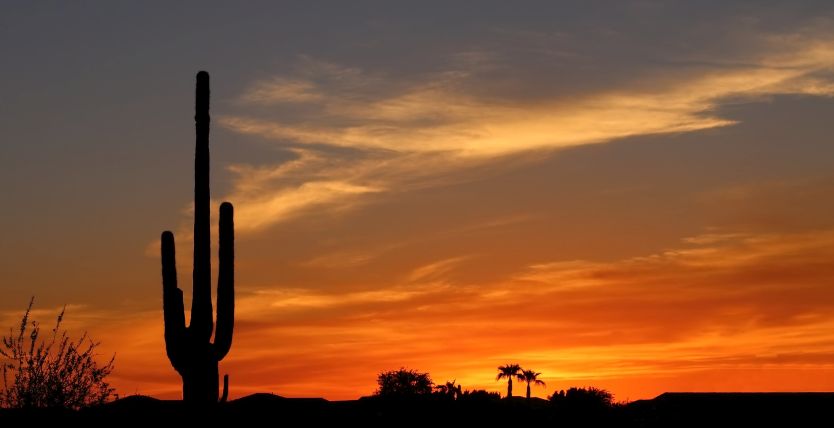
<point x="201" y="316"/>
<point x="199" y="380"/>
<point x="190" y="350"/>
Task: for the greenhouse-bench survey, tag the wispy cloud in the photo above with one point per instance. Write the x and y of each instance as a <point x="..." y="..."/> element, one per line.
<point x="428" y="129"/>
<point x="436" y="269"/>
<point x="269" y="300"/>
<point x="282" y="90"/>
<point x="438" y="114"/>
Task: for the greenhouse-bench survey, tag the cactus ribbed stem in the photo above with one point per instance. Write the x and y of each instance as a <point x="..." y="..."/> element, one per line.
<point x="201" y="317"/>
<point x="190" y="350"/>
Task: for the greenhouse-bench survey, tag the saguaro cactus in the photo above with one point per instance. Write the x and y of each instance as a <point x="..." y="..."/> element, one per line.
<point x="190" y="349"/>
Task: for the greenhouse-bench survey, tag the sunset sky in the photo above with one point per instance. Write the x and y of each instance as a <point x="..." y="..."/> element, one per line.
<point x="637" y="196"/>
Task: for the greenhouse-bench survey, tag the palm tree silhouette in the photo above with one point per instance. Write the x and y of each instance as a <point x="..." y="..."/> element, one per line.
<point x="530" y="376"/>
<point x="509" y="371"/>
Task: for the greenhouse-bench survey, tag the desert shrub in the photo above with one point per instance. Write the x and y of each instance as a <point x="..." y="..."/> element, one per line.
<point x="53" y="371"/>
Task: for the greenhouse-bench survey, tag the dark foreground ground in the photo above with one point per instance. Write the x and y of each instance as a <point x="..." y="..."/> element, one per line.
<point x="666" y="410"/>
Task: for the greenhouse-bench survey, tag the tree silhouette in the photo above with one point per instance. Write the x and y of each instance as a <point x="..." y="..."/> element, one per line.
<point x="479" y="395"/>
<point x="449" y="389"/>
<point x="56" y="372"/>
<point x="403" y="383"/>
<point x="589" y="399"/>
<point x="190" y="349"/>
<point x="530" y="376"/>
<point x="509" y="371"/>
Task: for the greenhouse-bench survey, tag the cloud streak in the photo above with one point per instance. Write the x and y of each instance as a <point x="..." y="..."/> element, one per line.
<point x="412" y="131"/>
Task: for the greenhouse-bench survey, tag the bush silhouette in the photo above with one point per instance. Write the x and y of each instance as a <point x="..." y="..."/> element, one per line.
<point x="479" y="395"/>
<point x="589" y="400"/>
<point x="403" y="383"/>
<point x="53" y="372"/>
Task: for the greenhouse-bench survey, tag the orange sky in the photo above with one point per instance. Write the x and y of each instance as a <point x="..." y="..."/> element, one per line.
<point x="604" y="207"/>
<point x="721" y="312"/>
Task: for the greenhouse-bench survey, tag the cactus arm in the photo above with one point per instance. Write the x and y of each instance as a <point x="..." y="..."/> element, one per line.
<point x="172" y="305"/>
<point x="201" y="311"/>
<point x="225" y="396"/>
<point x="225" y="282"/>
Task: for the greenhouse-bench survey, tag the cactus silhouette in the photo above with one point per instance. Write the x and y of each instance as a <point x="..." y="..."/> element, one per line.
<point x="190" y="349"/>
